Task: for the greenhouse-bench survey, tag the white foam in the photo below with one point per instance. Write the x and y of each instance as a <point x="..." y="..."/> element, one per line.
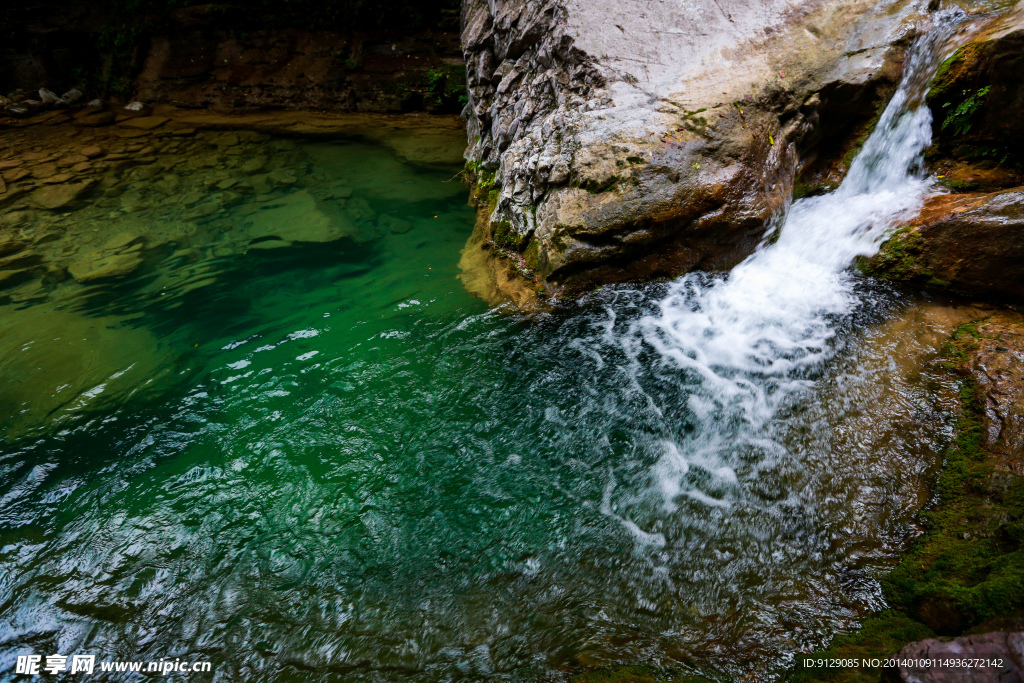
<point x="747" y="339"/>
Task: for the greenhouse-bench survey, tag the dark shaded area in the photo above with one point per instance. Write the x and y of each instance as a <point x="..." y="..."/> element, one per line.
<point x="842" y="116"/>
<point x="341" y="51"/>
<point x="978" y="101"/>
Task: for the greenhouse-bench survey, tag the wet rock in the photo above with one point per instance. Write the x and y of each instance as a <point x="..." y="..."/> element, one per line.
<point x="1008" y="647"/>
<point x="10" y="163"/>
<point x="13" y="219"/>
<point x="977" y="177"/>
<point x="978" y="98"/>
<point x="254" y="165"/>
<point x="997" y="366"/>
<point x="969" y="243"/>
<point x="120" y="241"/>
<point x="9" y="244"/>
<point x="44" y="171"/>
<point x="101" y="265"/>
<point x="15" y="174"/>
<point x="94" y="118"/>
<point x="59" y="197"/>
<point x="92" y="151"/>
<point x="132" y="202"/>
<point x="72" y="96"/>
<point x="395" y="226"/>
<point x="72" y="159"/>
<point x="169" y="183"/>
<point x="83" y="167"/>
<point x="225" y="140"/>
<point x="3" y="185"/>
<point x="282" y="176"/>
<point x="145" y="122"/>
<point x="18" y="111"/>
<point x="135" y="106"/>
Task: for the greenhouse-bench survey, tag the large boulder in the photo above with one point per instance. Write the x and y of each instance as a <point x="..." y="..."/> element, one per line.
<point x="616" y="140"/>
<point x="969" y="243"/>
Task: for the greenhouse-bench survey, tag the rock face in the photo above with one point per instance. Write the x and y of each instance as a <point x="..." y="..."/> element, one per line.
<point x="970" y="243"/>
<point x="614" y="140"/>
<point x="303" y="54"/>
<point x="978" y="97"/>
<point x="1007" y="647"/>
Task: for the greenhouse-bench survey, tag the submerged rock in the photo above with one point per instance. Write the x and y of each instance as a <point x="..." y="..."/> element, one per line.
<point x="56" y="197"/>
<point x="298" y="217"/>
<point x="102" y="265"/>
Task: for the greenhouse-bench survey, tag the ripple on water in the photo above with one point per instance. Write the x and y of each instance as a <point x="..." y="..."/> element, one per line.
<point x="332" y="461"/>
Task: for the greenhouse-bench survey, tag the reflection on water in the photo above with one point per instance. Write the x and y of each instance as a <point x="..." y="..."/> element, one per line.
<point x="282" y="437"/>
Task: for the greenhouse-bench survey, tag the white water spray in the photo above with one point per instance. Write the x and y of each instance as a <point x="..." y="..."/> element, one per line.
<point x="750" y="337"/>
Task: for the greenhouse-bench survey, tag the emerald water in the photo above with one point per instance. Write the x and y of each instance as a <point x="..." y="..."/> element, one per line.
<point x="325" y="460"/>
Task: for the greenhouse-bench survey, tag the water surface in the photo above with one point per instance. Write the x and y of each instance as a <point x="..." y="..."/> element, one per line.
<point x="313" y="456"/>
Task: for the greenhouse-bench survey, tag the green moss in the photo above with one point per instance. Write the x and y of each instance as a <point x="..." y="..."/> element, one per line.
<point x="942" y="78"/>
<point x="532" y="254"/>
<point x="504" y="235"/>
<point x="898" y="259"/>
<point x="634" y="674"/>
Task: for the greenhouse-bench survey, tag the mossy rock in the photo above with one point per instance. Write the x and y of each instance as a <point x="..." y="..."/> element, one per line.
<point x="532" y="254"/>
<point x="899" y="258"/>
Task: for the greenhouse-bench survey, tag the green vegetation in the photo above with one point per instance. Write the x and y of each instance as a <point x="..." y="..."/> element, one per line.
<point x="968" y="567"/>
<point x="505" y="236"/>
<point x="961" y="119"/>
<point x="634" y="674"/>
<point x="898" y="257"/>
<point x="447" y="85"/>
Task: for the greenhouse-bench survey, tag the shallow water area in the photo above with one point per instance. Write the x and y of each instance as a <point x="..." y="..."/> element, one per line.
<point x="277" y="433"/>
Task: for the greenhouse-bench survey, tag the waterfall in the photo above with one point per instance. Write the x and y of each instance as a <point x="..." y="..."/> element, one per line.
<point x="752" y="337"/>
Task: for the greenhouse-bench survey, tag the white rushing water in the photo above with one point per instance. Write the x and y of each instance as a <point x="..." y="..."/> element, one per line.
<point x="751" y="337"/>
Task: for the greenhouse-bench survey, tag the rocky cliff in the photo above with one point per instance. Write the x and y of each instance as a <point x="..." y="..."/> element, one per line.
<point x="637" y="138"/>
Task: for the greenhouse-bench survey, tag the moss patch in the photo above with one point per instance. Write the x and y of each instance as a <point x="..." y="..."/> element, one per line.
<point x="635" y="674"/>
<point x="532" y="254"/>
<point x="899" y="258"/>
